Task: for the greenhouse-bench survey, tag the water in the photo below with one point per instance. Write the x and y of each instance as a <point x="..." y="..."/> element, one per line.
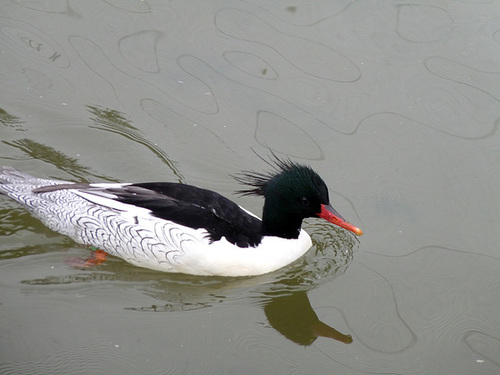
<point x="396" y="105"/>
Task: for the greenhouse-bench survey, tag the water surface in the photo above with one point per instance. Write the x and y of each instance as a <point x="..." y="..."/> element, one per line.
<point x="395" y="104"/>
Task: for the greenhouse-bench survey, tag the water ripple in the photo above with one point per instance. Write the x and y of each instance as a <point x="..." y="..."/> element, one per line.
<point x="189" y="89"/>
<point x="484" y="344"/>
<point x="476" y="79"/>
<point x="303" y="14"/>
<point x="30" y="42"/>
<point x="96" y="360"/>
<point x="423" y="24"/>
<point x="319" y="61"/>
<point x="294" y="140"/>
<point x="131" y="6"/>
<point x="390" y="331"/>
<point x="139" y="49"/>
<point x="49" y="6"/>
<point x="251" y="64"/>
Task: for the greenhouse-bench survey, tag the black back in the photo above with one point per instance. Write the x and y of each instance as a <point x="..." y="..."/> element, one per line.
<point x="195" y="208"/>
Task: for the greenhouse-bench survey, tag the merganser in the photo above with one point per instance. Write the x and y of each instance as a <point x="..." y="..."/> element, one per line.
<point x="175" y="227"/>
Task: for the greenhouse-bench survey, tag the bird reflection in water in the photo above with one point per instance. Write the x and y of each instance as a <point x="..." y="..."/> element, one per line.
<point x="293" y="316"/>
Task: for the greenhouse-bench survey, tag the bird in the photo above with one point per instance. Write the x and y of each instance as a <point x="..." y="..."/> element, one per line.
<point x="180" y="228"/>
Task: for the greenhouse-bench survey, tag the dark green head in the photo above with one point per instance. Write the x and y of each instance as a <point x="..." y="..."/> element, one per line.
<point x="292" y="193"/>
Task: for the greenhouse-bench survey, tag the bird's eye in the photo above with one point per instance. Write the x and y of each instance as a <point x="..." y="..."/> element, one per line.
<point x="305" y="202"/>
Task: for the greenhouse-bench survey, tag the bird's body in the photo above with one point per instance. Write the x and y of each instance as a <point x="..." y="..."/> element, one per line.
<point x="182" y="228"/>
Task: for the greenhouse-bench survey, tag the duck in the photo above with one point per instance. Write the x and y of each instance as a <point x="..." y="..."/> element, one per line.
<point x="180" y="228"/>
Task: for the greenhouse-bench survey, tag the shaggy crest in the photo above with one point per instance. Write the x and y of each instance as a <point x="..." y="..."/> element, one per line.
<point x="259" y="180"/>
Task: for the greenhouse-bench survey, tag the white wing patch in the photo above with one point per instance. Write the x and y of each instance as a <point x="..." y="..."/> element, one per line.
<point x="107" y="199"/>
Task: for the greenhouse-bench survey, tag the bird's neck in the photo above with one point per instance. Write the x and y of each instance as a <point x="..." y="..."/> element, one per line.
<point x="279" y="225"/>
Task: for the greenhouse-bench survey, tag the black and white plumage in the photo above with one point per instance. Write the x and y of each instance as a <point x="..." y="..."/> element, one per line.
<point x="182" y="228"/>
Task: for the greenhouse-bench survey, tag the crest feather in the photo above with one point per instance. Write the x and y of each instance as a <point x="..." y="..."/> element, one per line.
<point x="257" y="181"/>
